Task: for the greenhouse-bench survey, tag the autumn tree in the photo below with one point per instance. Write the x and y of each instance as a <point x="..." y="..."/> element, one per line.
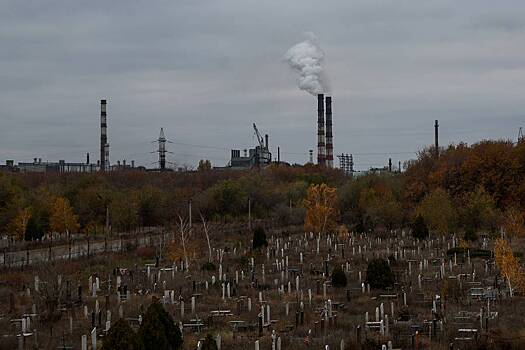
<point x="478" y="210"/>
<point x="438" y="211"/>
<point x="204" y="165"/>
<point x="124" y="211"/>
<point x="18" y="225"/>
<point x="513" y="223"/>
<point x="321" y="211"/>
<point x="63" y="219"/>
<point x="508" y="265"/>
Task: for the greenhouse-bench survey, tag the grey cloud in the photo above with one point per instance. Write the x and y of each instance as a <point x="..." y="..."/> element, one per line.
<point x="205" y="70"/>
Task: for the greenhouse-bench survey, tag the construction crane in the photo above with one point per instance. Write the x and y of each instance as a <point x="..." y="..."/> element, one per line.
<point x="259" y="137"/>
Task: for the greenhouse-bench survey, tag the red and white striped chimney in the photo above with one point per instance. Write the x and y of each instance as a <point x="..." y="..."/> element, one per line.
<point x="320" y="131"/>
<point x="329" y="136"/>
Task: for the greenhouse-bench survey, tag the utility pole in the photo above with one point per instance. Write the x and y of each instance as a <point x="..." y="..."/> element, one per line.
<point x="436" y="137"/>
<point x="107" y="219"/>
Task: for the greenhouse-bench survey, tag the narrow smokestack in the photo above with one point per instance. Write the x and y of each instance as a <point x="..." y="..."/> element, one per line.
<point x="320" y="130"/>
<point x="87" y="158"/>
<point x="278" y="154"/>
<point x="436" y="137"/>
<point x="104" y="147"/>
<point x="329" y="136"/>
<point x="266" y="141"/>
<point x="390" y="164"/>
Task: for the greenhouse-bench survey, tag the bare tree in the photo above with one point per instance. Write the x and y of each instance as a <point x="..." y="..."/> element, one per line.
<point x="207" y="232"/>
<point x="184" y="230"/>
<point x="50" y="295"/>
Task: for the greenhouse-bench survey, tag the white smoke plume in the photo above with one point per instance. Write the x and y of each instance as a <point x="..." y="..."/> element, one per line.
<point x="307" y="58"/>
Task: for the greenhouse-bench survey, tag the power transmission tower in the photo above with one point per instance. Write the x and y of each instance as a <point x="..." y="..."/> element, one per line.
<point x="346" y="163"/>
<point x="162" y="149"/>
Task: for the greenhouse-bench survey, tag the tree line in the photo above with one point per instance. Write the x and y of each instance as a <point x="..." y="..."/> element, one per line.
<point x="464" y="188"/>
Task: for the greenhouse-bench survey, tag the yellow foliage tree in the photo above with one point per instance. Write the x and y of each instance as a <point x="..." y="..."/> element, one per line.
<point x="321" y="211"/>
<point x="62" y="218"/>
<point x="18" y="225"/>
<point x="508" y="265"/>
<point x="513" y="223"/>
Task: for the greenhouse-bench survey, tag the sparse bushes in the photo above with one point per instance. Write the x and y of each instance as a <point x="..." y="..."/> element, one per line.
<point x="259" y="238"/>
<point x="379" y="275"/>
<point x="338" y="277"/>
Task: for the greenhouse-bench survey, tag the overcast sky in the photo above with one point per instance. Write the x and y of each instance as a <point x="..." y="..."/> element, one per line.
<point x="206" y="70"/>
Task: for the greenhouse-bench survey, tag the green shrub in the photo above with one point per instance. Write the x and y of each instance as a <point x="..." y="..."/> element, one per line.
<point x="209" y="343"/>
<point x="120" y="337"/>
<point x="158" y="330"/>
<point x="470" y="235"/>
<point x="338" y="277"/>
<point x="379" y="275"/>
<point x="208" y="266"/>
<point x="419" y="228"/>
<point x="259" y="238"/>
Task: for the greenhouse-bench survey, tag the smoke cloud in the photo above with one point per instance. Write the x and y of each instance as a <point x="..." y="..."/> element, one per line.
<point x="307" y="58"/>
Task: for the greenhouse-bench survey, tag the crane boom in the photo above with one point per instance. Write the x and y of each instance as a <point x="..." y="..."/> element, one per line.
<point x="259" y="137"/>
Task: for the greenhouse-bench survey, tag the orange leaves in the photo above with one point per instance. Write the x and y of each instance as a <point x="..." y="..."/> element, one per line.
<point x="321" y="212"/>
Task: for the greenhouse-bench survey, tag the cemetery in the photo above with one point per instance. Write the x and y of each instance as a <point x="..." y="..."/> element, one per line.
<point x="280" y="289"/>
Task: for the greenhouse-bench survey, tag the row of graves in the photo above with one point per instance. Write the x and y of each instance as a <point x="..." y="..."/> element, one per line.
<point x="279" y="297"/>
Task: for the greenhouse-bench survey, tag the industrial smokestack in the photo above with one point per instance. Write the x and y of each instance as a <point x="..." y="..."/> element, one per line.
<point x="278" y="154"/>
<point x="329" y="136"/>
<point x="87" y="158"/>
<point x="104" y="147"/>
<point x="390" y="164"/>
<point x="436" y="137"/>
<point x="320" y="130"/>
<point x="266" y="141"/>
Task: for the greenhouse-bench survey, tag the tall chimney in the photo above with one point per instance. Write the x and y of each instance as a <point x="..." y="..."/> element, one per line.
<point x="87" y="158"/>
<point x="278" y="154"/>
<point x="329" y="136"/>
<point x="266" y="141"/>
<point x="320" y="130"/>
<point x="103" y="135"/>
<point x="436" y="137"/>
<point x="390" y="164"/>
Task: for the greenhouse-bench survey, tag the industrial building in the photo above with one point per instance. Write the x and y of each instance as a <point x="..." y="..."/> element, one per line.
<point x="260" y="156"/>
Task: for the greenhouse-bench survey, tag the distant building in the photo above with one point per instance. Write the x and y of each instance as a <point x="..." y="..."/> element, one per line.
<point x="256" y="157"/>
<point x="37" y="166"/>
